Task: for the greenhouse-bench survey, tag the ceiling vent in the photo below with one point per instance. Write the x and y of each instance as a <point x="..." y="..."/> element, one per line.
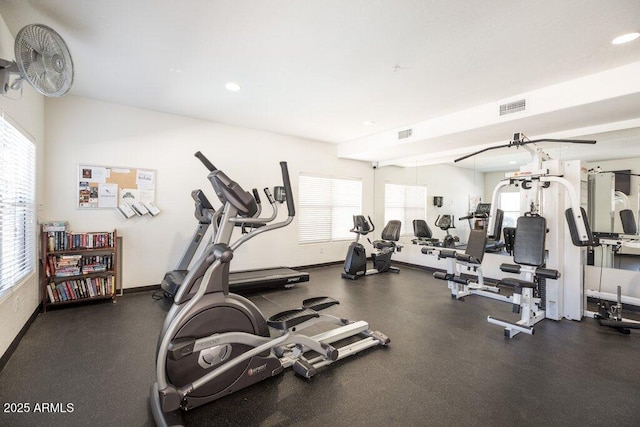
<point x="513" y="107"/>
<point x="403" y="134"/>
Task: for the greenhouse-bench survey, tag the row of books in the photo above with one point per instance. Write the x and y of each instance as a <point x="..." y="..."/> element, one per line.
<point x="71" y="290"/>
<point x="54" y="226"/>
<point x="63" y="240"/>
<point x="76" y="264"/>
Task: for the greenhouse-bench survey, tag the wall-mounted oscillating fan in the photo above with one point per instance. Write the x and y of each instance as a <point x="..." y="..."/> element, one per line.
<point x="42" y="58"/>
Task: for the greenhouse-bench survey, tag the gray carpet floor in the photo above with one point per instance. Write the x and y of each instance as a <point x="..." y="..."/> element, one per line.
<point x="445" y="366"/>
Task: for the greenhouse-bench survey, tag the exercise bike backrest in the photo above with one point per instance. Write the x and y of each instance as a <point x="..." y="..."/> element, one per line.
<point x="238" y="205"/>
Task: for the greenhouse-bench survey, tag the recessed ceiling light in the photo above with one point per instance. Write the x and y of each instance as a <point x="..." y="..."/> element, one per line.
<point x="625" y="38"/>
<point x="369" y="123"/>
<point x="232" y="87"/>
<point x="512" y="162"/>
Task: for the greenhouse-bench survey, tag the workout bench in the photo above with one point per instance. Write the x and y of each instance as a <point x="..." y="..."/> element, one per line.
<point x="472" y="260"/>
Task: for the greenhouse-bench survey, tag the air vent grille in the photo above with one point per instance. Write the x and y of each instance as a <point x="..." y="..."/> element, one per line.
<point x="513" y="107"/>
<point x="405" y="133"/>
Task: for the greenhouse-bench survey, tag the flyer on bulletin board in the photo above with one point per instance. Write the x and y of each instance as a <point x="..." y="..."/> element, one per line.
<point x="101" y="187"/>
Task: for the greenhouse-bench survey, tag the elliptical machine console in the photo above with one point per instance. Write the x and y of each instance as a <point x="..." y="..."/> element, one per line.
<point x="355" y="263"/>
<point x="214" y="342"/>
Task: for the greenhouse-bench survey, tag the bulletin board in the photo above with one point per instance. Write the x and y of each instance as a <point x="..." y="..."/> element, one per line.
<point x="106" y="187"/>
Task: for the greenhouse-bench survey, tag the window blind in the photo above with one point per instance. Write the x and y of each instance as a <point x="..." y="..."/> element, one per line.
<point x="17" y="205"/>
<point x="405" y="203"/>
<point x="326" y="207"/>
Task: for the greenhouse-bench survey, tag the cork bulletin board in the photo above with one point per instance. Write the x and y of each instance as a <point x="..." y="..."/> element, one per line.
<point x="105" y="187"/>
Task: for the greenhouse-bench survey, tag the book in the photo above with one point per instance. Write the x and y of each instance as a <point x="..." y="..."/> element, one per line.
<point x="54" y="226"/>
<point x="50" y="293"/>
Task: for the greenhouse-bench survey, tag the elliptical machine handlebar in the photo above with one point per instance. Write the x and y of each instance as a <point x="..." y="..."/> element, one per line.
<point x="287" y="188"/>
<point x="207" y="164"/>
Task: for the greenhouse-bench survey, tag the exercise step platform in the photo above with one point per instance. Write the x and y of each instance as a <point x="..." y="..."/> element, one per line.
<point x="319" y="303"/>
<point x="290" y="318"/>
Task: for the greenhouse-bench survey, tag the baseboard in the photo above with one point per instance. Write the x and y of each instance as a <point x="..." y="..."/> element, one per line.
<point x="141" y="289"/>
<point x="324" y="264"/>
<point x="14" y="344"/>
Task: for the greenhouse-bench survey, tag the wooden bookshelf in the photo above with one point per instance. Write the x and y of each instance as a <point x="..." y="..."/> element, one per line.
<point x="77" y="267"/>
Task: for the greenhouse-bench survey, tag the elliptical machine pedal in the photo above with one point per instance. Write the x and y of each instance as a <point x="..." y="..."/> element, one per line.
<point x="319" y="303"/>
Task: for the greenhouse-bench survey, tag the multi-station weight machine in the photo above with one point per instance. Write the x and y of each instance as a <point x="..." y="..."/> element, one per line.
<point x="550" y="282"/>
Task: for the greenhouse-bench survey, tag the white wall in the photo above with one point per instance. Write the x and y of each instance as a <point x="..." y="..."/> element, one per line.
<point x="17" y="305"/>
<point x="90" y="132"/>
<point x="452" y="183"/>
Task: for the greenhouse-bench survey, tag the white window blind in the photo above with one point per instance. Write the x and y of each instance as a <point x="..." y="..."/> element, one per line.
<point x="17" y="205"/>
<point x="405" y="203"/>
<point x="326" y="207"/>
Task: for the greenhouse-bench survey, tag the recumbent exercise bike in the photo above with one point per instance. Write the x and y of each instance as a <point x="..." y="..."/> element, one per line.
<point x="355" y="263"/>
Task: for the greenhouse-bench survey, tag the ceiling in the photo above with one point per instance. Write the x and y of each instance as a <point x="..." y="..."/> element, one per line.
<point x="320" y="69"/>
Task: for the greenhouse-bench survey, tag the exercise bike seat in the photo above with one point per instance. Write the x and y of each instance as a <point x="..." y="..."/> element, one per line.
<point x="390" y="235"/>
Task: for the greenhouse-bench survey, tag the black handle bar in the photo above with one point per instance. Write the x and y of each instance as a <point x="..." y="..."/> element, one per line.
<point x="207" y="164"/>
<point x="256" y="195"/>
<point x="287" y="188"/>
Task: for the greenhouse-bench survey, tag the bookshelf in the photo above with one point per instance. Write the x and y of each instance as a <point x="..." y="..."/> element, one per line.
<point x="77" y="267"/>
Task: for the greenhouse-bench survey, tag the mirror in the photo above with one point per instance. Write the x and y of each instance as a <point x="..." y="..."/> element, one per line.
<point x="613" y="212"/>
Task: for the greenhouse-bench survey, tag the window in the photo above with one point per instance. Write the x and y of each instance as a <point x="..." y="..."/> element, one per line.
<point x="405" y="203"/>
<point x="326" y="207"/>
<point x="510" y="204"/>
<point x="17" y="201"/>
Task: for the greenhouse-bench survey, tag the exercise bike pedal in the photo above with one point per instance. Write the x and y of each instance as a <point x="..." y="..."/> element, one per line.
<point x="319" y="303"/>
<point x="291" y="318"/>
<point x="304" y="368"/>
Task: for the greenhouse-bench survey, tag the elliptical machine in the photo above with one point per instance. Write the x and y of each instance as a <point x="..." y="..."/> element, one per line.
<point x="355" y="263"/>
<point x="214" y="342"/>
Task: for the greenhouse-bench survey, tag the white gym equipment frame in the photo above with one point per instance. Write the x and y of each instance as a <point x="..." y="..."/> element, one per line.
<point x="551" y="187"/>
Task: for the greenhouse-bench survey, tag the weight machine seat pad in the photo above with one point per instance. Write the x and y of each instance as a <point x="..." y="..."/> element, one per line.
<point x="628" y="222"/>
<point x="476" y="244"/>
<point x="497" y="225"/>
<point x="514" y="283"/>
<point x="573" y="229"/>
<point x="530" y="238"/>
<point x="391" y="231"/>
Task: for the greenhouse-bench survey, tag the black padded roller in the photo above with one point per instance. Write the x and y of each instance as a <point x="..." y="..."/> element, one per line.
<point x="510" y="268"/>
<point x="441" y="275"/>
<point x="547" y="273"/>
